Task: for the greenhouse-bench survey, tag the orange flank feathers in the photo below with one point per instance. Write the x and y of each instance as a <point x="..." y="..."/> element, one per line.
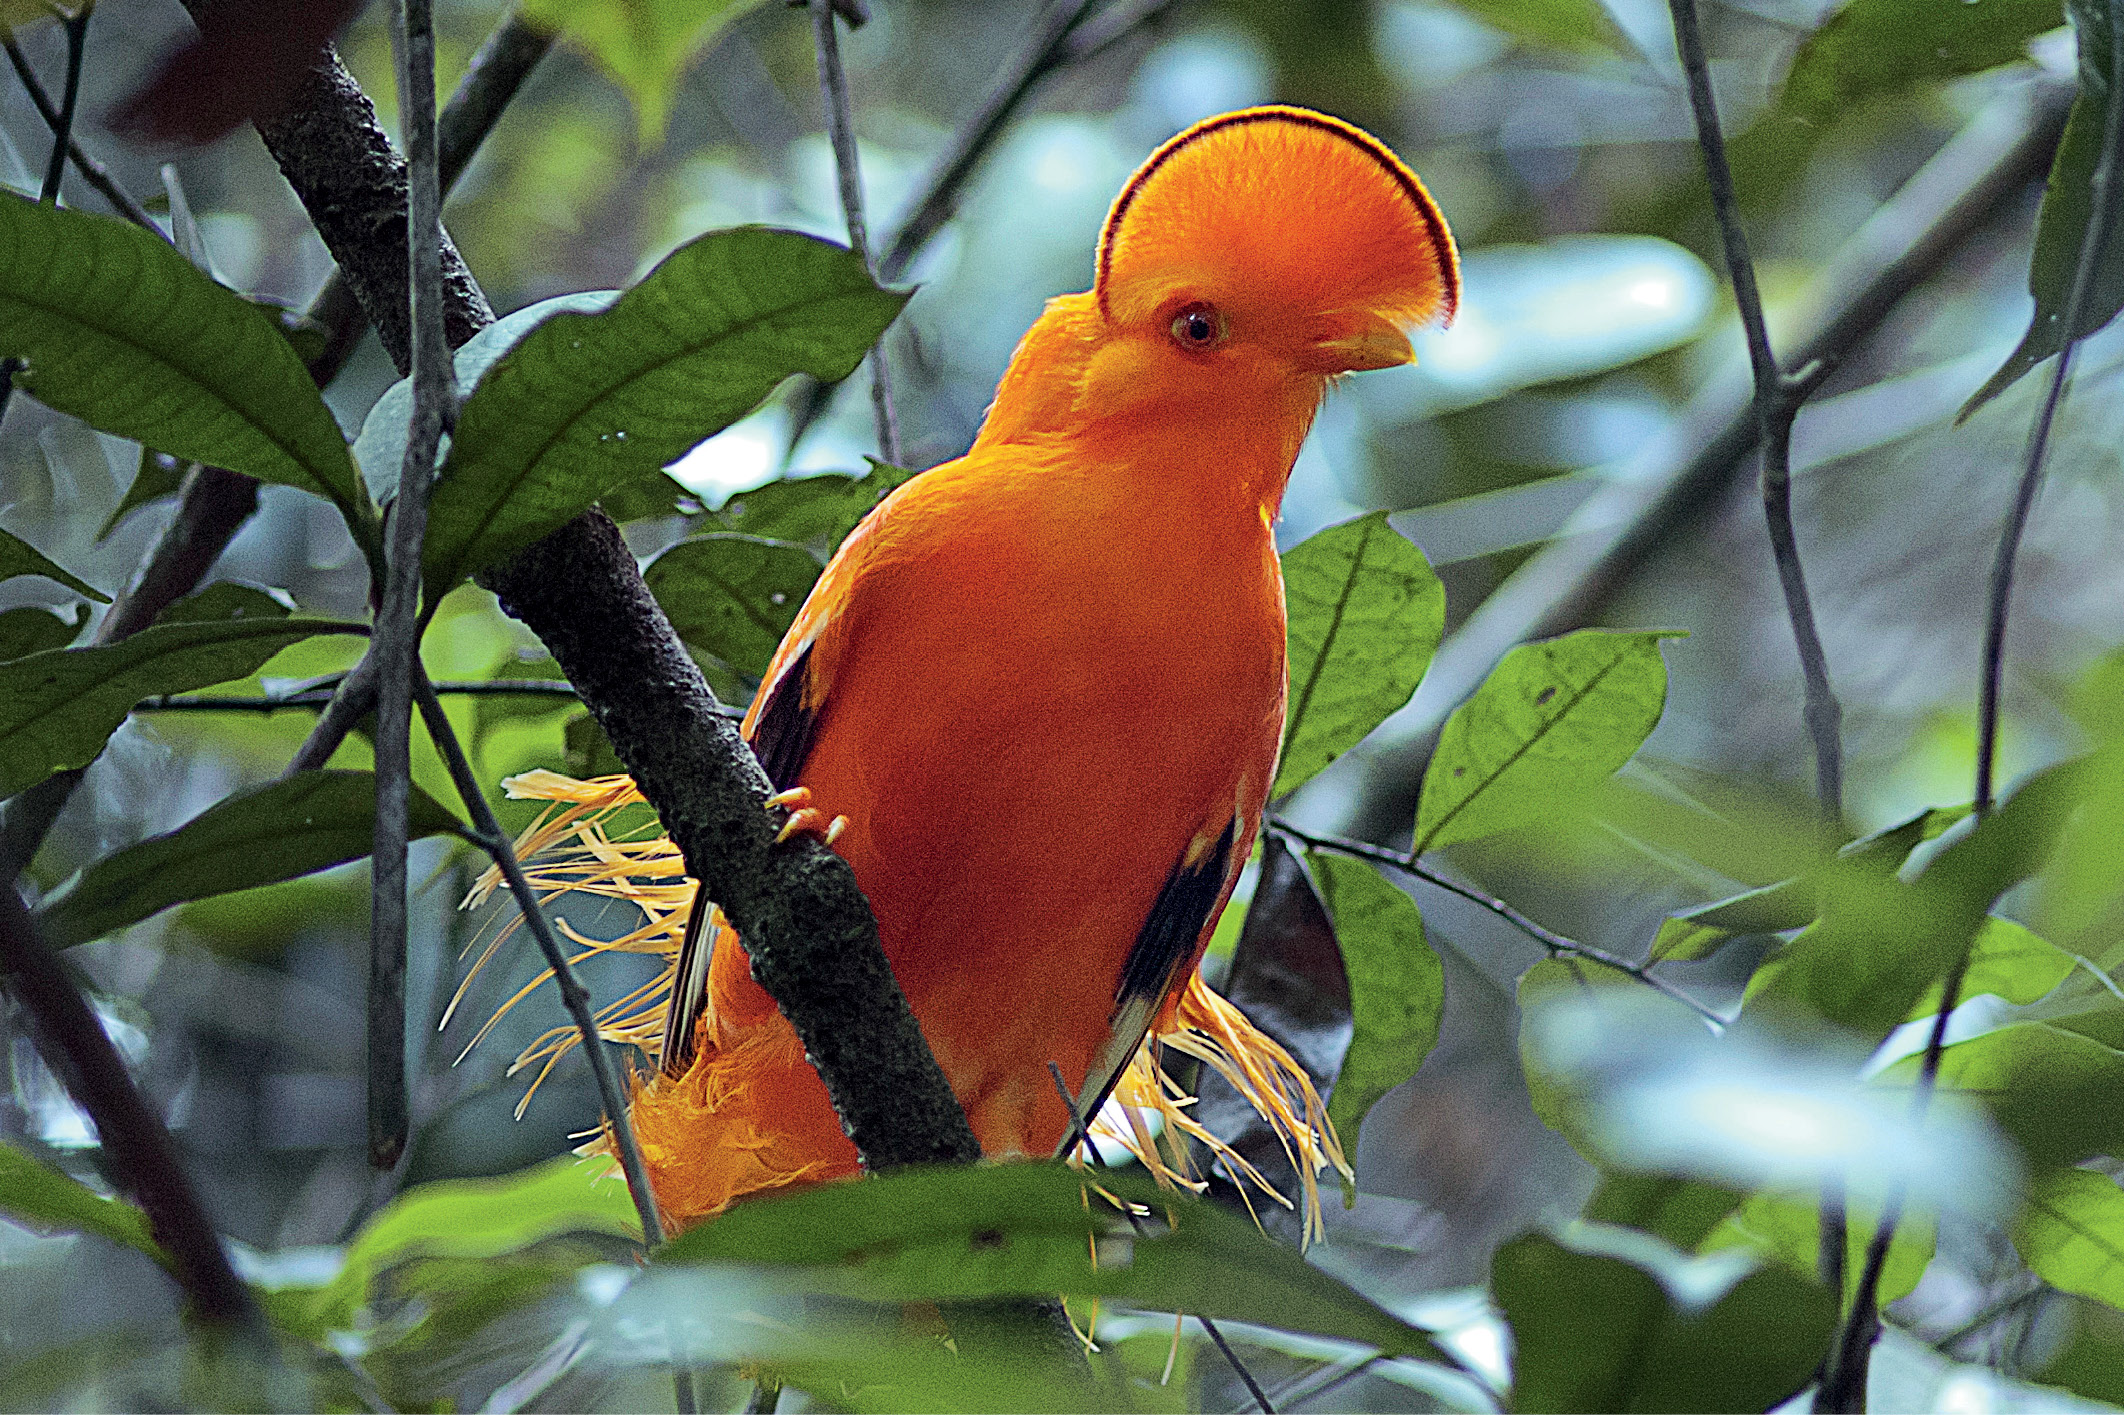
<point x="1040" y="689"/>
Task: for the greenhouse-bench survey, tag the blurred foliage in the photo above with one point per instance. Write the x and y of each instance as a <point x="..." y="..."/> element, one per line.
<point x="1630" y="788"/>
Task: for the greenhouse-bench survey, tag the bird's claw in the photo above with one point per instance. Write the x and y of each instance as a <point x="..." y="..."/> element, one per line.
<point x="805" y="818"/>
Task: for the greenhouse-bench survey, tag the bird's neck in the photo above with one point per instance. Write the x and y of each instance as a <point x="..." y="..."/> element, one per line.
<point x="1235" y="450"/>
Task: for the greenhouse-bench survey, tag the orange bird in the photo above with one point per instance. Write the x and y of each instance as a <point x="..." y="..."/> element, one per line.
<point x="1039" y="692"/>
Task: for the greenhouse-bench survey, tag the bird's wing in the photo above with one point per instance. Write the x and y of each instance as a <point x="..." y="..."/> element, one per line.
<point x="1164" y="949"/>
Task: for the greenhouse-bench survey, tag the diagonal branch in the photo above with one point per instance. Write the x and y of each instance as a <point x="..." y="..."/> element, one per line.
<point x="142" y="1154"/>
<point x="813" y="942"/>
<point x="92" y="171"/>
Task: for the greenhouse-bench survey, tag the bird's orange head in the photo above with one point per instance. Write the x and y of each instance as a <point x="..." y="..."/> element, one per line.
<point x="1250" y="260"/>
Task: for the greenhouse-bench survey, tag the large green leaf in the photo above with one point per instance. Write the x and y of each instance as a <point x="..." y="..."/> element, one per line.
<point x="2083" y="887"/>
<point x="645" y="45"/>
<point x="473" y="1219"/>
<point x="2009" y="962"/>
<point x="380" y="447"/>
<point x="129" y="336"/>
<point x="1871" y="48"/>
<point x="1787" y="1229"/>
<point x="19" y="557"/>
<point x="2068" y="208"/>
<point x="1880" y="944"/>
<point x="1397" y="986"/>
<point x="1365" y="617"/>
<point x="58" y="708"/>
<point x="1027" y="1230"/>
<point x="587" y="402"/>
<point x="1551" y="722"/>
<point x="2072" y="1234"/>
<point x="814" y="511"/>
<point x="294" y="826"/>
<point x="1682" y="1211"/>
<point x="1594" y="1332"/>
<point x="2052" y="1087"/>
<point x="31" y="630"/>
<point x="45" y="1198"/>
<point x="1575" y="26"/>
<point x="733" y="595"/>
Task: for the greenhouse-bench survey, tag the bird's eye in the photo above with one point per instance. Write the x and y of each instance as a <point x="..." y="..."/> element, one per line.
<point x="1198" y="327"/>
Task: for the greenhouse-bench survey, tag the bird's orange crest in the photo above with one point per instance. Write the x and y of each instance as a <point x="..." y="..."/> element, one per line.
<point x="1281" y="199"/>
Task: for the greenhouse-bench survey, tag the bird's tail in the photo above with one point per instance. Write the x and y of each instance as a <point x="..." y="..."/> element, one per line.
<point x="599" y="838"/>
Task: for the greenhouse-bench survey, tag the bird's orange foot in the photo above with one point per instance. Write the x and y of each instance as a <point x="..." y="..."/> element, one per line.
<point x="805" y="818"/>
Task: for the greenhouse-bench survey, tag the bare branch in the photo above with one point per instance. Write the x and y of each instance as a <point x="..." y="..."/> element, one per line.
<point x="840" y="130"/>
<point x="2092" y="242"/>
<point x="92" y="171"/>
<point x="488" y="835"/>
<point x="71" y="1038"/>
<point x="1556" y="943"/>
<point x="395" y="646"/>
<point x="76" y="27"/>
<point x="1844" y="1378"/>
<point x="1777" y="403"/>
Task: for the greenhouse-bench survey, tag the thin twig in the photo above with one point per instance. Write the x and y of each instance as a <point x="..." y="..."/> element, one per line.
<point x="1557" y="944"/>
<point x="840" y="130"/>
<point x="1044" y="52"/>
<point x="144" y="1157"/>
<point x="92" y="171"/>
<point x="487" y="835"/>
<point x="1844" y="1383"/>
<point x="1091" y="1151"/>
<point x="76" y="25"/>
<point x="2092" y="242"/>
<point x="1778" y="397"/>
<point x="395" y="645"/>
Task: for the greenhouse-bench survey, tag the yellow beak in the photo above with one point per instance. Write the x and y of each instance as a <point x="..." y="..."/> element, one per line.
<point x="1353" y="341"/>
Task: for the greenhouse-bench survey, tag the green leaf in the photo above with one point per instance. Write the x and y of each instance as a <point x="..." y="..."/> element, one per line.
<point x="380" y="447"/>
<point x="127" y="335"/>
<point x="589" y="753"/>
<point x="32" y="630"/>
<point x="2072" y="1234"/>
<point x="587" y="402"/>
<point x="2008" y="962"/>
<point x="1790" y="903"/>
<point x="2083" y="886"/>
<point x="1593" y="1332"/>
<point x="225" y="601"/>
<point x="284" y="829"/>
<point x="2052" y="1087"/>
<point x="1702" y="931"/>
<point x="474" y="1219"/>
<point x="1552" y="721"/>
<point x="644" y="45"/>
<point x="57" y="709"/>
<point x="44" y="1198"/>
<point x="732" y="595"/>
<point x="1397" y="986"/>
<point x="1873" y="48"/>
<point x="159" y="476"/>
<point x="1575" y="26"/>
<point x="1787" y="1229"/>
<point x="814" y="511"/>
<point x="1682" y="1211"/>
<point x="1025" y="1230"/>
<point x="2063" y="219"/>
<point x="1366" y="614"/>
<point x="19" y="557"/>
<point x="1880" y="943"/>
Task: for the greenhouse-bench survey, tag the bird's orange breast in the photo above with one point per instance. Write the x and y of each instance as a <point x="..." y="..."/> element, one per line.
<point x="1028" y="720"/>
